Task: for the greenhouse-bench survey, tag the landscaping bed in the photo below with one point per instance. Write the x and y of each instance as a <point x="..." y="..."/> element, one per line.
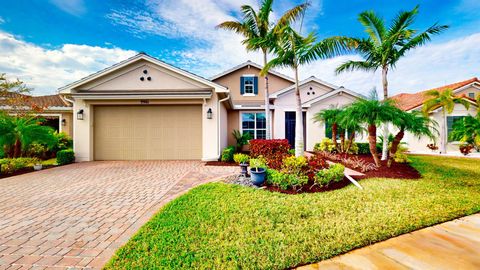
<point x="226" y="226"/>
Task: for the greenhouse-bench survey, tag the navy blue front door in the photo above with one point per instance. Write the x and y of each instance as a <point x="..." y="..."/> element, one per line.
<point x="290" y="128"/>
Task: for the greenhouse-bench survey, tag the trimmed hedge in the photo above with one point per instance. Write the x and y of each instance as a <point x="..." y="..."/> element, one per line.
<point x="65" y="157"/>
<point x="364" y="148"/>
<point x="227" y="153"/>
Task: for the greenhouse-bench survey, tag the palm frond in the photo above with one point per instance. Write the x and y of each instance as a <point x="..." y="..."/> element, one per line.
<point x="402" y="21"/>
<point x="355" y="65"/>
<point x="374" y="25"/>
<point x="292" y="15"/>
<point x="422" y="38"/>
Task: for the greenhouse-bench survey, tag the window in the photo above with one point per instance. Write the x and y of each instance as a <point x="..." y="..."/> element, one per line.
<point x="249" y="85"/>
<point x="471" y="95"/>
<point x="450" y="121"/>
<point x="255" y="124"/>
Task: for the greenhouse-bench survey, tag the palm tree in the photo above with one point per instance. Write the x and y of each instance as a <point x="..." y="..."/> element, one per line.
<point x="352" y="127"/>
<point x="259" y="33"/>
<point x="446" y="101"/>
<point x="385" y="46"/>
<point x="414" y="122"/>
<point x="20" y="132"/>
<point x="294" y="50"/>
<point x="467" y="130"/>
<point x="330" y="117"/>
<point x="372" y="112"/>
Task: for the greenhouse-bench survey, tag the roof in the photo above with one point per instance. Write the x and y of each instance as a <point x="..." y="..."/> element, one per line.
<point x="148" y="58"/>
<point x="292" y="87"/>
<point x="406" y="101"/>
<point x="48" y="101"/>
<point x="253" y="64"/>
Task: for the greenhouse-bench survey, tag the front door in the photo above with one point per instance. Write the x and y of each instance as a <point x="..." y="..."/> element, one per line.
<point x="290" y="128"/>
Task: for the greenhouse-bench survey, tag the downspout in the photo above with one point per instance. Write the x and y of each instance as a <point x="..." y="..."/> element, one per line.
<point x="218" y="123"/>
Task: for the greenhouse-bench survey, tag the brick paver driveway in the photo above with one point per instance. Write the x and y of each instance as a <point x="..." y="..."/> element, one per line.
<point x="78" y="215"/>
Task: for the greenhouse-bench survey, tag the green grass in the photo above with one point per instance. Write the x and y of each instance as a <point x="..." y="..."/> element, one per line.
<point x="223" y="226"/>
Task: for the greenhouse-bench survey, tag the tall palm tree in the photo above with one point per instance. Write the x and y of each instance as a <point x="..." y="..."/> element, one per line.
<point x="294" y="50"/>
<point x="259" y="33"/>
<point x="331" y="117"/>
<point x="20" y="132"/>
<point x="373" y="113"/>
<point x="385" y="46"/>
<point x="446" y="101"/>
<point x="467" y="130"/>
<point x="414" y="122"/>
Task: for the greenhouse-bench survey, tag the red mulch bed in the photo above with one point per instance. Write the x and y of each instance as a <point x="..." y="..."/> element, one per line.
<point x="220" y="163"/>
<point x="397" y="170"/>
<point x="23" y="171"/>
<point x="309" y="189"/>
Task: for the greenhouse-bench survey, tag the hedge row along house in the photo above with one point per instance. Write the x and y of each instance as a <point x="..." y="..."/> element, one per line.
<point x="145" y="109"/>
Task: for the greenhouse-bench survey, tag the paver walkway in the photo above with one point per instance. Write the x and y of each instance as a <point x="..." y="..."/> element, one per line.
<point x="451" y="245"/>
<point x="78" y="215"/>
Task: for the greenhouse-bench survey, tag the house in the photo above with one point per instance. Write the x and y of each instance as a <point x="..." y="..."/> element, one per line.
<point x="468" y="89"/>
<point x="55" y="109"/>
<point x="143" y="108"/>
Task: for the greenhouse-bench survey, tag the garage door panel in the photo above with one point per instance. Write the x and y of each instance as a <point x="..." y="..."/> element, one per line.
<point x="148" y="132"/>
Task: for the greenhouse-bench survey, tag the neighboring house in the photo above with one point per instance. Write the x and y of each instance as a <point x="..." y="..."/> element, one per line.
<point x="468" y="89"/>
<point x="55" y="109"/>
<point x="143" y="108"/>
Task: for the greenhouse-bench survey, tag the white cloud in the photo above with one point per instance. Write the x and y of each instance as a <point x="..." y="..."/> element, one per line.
<point x="73" y="7"/>
<point x="45" y="70"/>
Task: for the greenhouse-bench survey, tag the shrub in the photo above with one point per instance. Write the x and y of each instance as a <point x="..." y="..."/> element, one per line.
<point x="400" y="156"/>
<point x="227" y="154"/>
<point x="11" y="165"/>
<point x="326" y="145"/>
<point x="65" y="157"/>
<point x="242" y="139"/>
<point x="333" y="174"/>
<point x="285" y="180"/>
<point x="258" y="162"/>
<point x="241" y="158"/>
<point x="465" y="149"/>
<point x="294" y="165"/>
<point x="37" y="150"/>
<point x="63" y="142"/>
<point x="353" y="148"/>
<point x="364" y="148"/>
<point x="274" y="151"/>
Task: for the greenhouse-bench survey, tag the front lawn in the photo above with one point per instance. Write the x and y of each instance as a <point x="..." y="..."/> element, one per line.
<point x="224" y="226"/>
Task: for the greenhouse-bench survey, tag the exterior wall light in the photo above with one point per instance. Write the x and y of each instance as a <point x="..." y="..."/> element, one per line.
<point x="209" y="113"/>
<point x="64" y="122"/>
<point x="80" y="114"/>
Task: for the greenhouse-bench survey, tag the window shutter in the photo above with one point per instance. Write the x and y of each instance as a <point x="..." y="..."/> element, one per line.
<point x="255" y="85"/>
<point x="242" y="85"/>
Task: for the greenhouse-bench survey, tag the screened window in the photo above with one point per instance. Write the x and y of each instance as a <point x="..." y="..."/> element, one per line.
<point x="255" y="124"/>
<point x="450" y="121"/>
<point x="249" y="85"/>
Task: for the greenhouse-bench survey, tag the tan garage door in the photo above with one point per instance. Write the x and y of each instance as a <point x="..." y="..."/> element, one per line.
<point x="148" y="132"/>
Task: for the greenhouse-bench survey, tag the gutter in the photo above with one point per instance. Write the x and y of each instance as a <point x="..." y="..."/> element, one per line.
<point x="218" y="124"/>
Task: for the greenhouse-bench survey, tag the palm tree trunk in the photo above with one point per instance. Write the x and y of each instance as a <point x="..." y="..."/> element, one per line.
<point x="443" y="144"/>
<point x="268" y="134"/>
<point x="334" y="135"/>
<point x="298" y="119"/>
<point x="372" y="142"/>
<point x="385" y="125"/>
<point x="350" y="141"/>
<point x="17" y="149"/>
<point x="342" y="140"/>
<point x="396" y="142"/>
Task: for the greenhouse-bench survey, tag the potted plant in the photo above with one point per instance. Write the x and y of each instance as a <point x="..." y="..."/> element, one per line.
<point x="37" y="164"/>
<point x="242" y="139"/>
<point x="242" y="160"/>
<point x="258" y="170"/>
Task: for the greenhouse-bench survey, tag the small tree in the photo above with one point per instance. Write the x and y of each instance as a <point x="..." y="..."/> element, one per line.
<point x="372" y="112"/>
<point x="15" y="96"/>
<point x="331" y="117"/>
<point x="444" y="100"/>
<point x="414" y="122"/>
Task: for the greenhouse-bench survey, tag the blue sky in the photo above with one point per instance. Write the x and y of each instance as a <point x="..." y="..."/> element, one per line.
<point x="51" y="43"/>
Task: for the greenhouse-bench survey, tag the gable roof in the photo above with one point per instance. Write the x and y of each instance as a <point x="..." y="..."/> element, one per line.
<point x="406" y="101"/>
<point x="45" y="102"/>
<point x="339" y="90"/>
<point x="253" y="64"/>
<point x="148" y="58"/>
<point x="301" y="83"/>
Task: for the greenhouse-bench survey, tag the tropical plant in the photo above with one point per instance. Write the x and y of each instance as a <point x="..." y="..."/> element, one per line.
<point x="294" y="50"/>
<point x="331" y="117"/>
<point x="444" y="100"/>
<point x="240" y="158"/>
<point x="353" y="128"/>
<point x="373" y="113"/>
<point x="241" y="138"/>
<point x="227" y="154"/>
<point x="415" y="123"/>
<point x="259" y="33"/>
<point x="20" y="132"/>
<point x="467" y="130"/>
<point x="385" y="45"/>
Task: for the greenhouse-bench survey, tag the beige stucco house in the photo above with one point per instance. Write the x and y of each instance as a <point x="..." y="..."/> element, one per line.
<point x="468" y="90"/>
<point x="143" y="108"/>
